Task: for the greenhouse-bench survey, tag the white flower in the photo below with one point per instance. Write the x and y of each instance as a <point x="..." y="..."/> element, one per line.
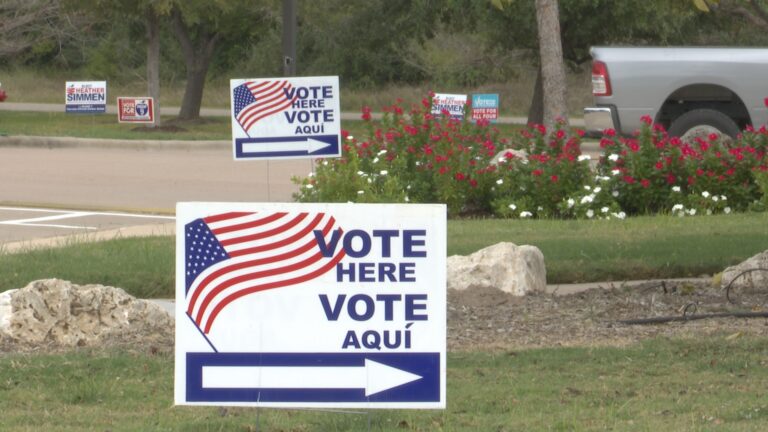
<point x="587" y="187"/>
<point x="705" y="194"/>
<point x="692" y="211"/>
<point x="587" y="199"/>
<point x="597" y="190"/>
<point x="360" y="173"/>
<point x="723" y="197"/>
<point x="675" y="188"/>
<point x="525" y="214"/>
<point x="369" y="180"/>
<point x="677" y="207"/>
<point x="407" y="199"/>
<point x="590" y="213"/>
<point x="584" y="158"/>
<point x="512" y="206"/>
<point x="604" y="209"/>
<point x="360" y="192"/>
<point x="571" y="202"/>
<point x="540" y="208"/>
<point x="381" y="152"/>
<point x="311" y="174"/>
<point x="615" y="172"/>
<point x="308" y="186"/>
<point x="727" y="210"/>
<point x="621" y="215"/>
<point x="500" y="181"/>
<point x="613" y="157"/>
<point x="325" y="163"/>
<point x="350" y="137"/>
<point x="384" y="172"/>
<point x="375" y="160"/>
<point x="615" y="193"/>
<point x="418" y="163"/>
<point x="709" y="212"/>
<point x="408" y="187"/>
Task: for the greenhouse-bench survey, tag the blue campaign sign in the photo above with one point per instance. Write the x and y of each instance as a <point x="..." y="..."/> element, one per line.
<point x="285" y="118"/>
<point x="311" y="305"/>
<point x="85" y="97"/>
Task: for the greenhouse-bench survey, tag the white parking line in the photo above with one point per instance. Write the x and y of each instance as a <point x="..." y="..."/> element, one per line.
<point x="67" y="214"/>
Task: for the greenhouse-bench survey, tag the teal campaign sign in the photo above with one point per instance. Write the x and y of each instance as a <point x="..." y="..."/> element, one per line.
<point x="485" y="107"/>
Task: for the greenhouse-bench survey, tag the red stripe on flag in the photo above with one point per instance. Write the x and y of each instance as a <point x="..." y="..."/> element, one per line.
<point x="244" y="292"/>
<point x="280" y="108"/>
<point x="225" y="216"/>
<point x="266" y="234"/>
<point x="251" y="224"/>
<point x="286" y="241"/>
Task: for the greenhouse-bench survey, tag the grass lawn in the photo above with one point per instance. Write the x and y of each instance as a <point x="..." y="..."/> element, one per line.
<point x="659" y="385"/>
<point x="574" y="251"/>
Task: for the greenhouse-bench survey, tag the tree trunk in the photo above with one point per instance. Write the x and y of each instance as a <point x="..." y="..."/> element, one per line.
<point x="536" y="111"/>
<point x="196" y="59"/>
<point x="552" y="67"/>
<point x="153" y="62"/>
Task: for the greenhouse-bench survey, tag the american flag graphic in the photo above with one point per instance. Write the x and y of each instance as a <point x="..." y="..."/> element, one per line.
<point x="231" y="255"/>
<point x="255" y="101"/>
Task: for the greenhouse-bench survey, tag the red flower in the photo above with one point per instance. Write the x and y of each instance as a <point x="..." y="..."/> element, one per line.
<point x="699" y="172"/>
<point x="671" y="179"/>
<point x="554" y="178"/>
<point x="646" y="119"/>
<point x="366" y="113"/>
<point x="645" y="182"/>
<point x="629" y="179"/>
<point x="713" y="137"/>
<point x="459" y="176"/>
<point x="444" y="169"/>
<point x="659" y="165"/>
<point x="537" y="172"/>
<point x="542" y="129"/>
<point x="609" y="132"/>
<point x="473" y="182"/>
<point x="560" y="134"/>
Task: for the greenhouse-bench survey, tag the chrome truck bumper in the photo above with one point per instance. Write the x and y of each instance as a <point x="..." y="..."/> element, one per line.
<point x="598" y="119"/>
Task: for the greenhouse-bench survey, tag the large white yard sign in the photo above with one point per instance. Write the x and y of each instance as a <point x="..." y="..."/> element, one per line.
<point x="311" y="305"/>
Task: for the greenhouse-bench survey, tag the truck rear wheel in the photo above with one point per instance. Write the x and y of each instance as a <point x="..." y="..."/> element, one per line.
<point x="700" y="123"/>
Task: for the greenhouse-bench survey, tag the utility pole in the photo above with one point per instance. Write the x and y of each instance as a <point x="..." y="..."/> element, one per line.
<point x="289" y="37"/>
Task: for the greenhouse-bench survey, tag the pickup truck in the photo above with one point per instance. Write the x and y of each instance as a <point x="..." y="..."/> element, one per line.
<point x="690" y="91"/>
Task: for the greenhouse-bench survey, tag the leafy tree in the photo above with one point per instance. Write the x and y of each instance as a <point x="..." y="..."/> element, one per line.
<point x="202" y="28"/>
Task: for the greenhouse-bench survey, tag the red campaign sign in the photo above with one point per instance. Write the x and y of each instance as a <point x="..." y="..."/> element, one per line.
<point x="135" y="110"/>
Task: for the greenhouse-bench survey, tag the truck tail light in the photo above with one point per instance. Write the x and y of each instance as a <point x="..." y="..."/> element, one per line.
<point x="601" y="82"/>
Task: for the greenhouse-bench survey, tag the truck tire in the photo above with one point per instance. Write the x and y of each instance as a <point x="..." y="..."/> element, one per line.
<point x="700" y="123"/>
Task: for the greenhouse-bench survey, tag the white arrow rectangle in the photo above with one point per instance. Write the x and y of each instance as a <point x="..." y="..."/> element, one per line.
<point x="374" y="377"/>
<point x="305" y="145"/>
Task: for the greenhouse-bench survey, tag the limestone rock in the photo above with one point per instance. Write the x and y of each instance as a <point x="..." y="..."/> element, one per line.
<point x="753" y="280"/>
<point x="514" y="269"/>
<point x="55" y="312"/>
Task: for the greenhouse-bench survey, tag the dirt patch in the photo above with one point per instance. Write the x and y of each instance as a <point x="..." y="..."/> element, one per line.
<point x="166" y="128"/>
<point x="491" y="319"/>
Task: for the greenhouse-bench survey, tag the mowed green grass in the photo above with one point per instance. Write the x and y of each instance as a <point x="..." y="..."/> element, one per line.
<point x="574" y="251"/>
<point x="660" y="385"/>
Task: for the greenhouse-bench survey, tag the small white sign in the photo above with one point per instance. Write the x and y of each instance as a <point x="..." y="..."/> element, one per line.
<point x="452" y="104"/>
<point x="86" y="97"/>
<point x="311" y="305"/>
<point x="285" y="118"/>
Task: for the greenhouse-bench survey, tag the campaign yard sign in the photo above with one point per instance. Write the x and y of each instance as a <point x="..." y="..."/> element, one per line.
<point x="86" y="97"/>
<point x="135" y="110"/>
<point x="311" y="305"/>
<point x="453" y="104"/>
<point x="285" y="118"/>
<point x="485" y="107"/>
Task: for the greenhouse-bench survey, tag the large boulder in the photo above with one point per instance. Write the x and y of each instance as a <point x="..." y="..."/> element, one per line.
<point x="748" y="275"/>
<point x="58" y="313"/>
<point x="517" y="270"/>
